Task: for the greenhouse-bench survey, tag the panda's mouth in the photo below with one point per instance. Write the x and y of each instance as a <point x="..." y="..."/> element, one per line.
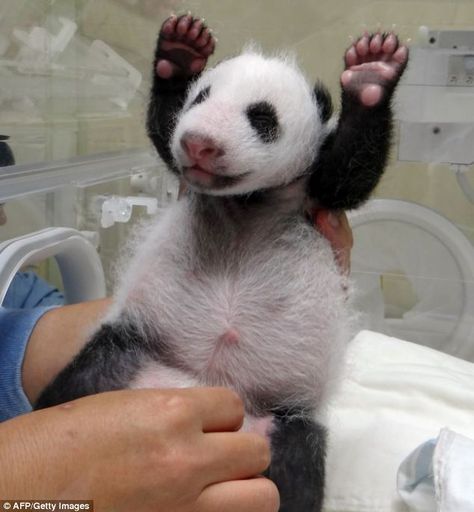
<point x="206" y="179"/>
<point x="199" y="177"/>
<point x="198" y="172"/>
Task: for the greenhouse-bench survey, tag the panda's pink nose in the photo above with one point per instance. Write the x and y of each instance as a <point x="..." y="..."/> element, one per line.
<point x="200" y="149"/>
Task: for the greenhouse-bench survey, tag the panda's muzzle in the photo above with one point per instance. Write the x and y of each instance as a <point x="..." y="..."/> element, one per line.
<point x="205" y="168"/>
<point x="201" y="151"/>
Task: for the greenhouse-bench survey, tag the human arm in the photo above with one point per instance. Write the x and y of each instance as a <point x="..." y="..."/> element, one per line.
<point x="28" y="290"/>
<point x="56" y="338"/>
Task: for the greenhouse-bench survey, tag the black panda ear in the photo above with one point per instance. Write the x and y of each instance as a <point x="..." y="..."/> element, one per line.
<point x="324" y="101"/>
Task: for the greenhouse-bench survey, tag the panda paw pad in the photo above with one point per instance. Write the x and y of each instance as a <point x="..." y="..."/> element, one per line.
<point x="374" y="64"/>
<point x="185" y="43"/>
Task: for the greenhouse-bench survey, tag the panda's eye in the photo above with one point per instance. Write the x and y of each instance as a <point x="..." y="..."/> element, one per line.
<point x="264" y="120"/>
<point x="202" y="96"/>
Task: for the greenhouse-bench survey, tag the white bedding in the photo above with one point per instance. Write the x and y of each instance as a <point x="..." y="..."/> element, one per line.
<point x="439" y="475"/>
<point x="395" y="396"/>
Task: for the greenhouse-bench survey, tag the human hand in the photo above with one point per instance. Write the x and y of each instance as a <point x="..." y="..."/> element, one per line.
<point x="334" y="225"/>
<point x="142" y="450"/>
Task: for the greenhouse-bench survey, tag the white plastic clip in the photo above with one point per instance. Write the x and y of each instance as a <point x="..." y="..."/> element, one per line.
<point x="119" y="209"/>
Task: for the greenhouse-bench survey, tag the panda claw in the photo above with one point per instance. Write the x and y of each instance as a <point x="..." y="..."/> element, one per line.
<point x="401" y="55"/>
<point x="195" y="30"/>
<point x="362" y="45"/>
<point x="375" y="44"/>
<point x="184" y="24"/>
<point x="390" y="44"/>
<point x="203" y="39"/>
<point x="169" y="25"/>
<point x="208" y="49"/>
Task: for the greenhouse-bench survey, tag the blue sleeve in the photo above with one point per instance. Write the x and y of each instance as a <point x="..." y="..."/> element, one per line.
<point x="15" y="328"/>
<point x="28" y="290"/>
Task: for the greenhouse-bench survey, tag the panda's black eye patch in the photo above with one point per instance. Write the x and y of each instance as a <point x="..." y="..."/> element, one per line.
<point x="263" y="118"/>
<point x="202" y="96"/>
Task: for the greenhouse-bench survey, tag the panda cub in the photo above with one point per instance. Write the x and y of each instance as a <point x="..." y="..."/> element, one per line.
<point x="233" y="286"/>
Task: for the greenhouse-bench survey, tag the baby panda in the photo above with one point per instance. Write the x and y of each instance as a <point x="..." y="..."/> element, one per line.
<point x="232" y="285"/>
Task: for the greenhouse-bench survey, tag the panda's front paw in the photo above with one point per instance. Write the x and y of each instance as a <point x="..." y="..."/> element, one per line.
<point x="184" y="45"/>
<point x="374" y="64"/>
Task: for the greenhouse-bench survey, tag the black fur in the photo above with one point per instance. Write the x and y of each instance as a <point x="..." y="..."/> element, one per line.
<point x="298" y="463"/>
<point x="108" y="362"/>
<point x="264" y="120"/>
<point x="323" y="98"/>
<point x="353" y="157"/>
<point x="166" y="99"/>
<point x="6" y="154"/>
<point x="202" y="96"/>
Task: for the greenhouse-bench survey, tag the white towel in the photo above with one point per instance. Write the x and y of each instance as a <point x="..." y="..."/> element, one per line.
<point x="439" y="475"/>
<point x="395" y="396"/>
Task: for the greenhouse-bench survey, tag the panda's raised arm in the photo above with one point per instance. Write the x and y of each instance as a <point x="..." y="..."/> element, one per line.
<point x="183" y="47"/>
<point x="354" y="154"/>
<point x="166" y="101"/>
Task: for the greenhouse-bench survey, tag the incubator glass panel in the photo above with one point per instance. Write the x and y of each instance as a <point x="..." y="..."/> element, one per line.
<point x="75" y="76"/>
<point x="98" y="200"/>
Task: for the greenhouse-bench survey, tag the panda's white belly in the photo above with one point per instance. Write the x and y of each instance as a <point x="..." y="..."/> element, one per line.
<point x="274" y="329"/>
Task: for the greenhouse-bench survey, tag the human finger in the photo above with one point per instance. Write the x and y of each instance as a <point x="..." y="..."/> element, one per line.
<point x="335" y="227"/>
<point x="219" y="409"/>
<point x="234" y="456"/>
<point x="253" y="495"/>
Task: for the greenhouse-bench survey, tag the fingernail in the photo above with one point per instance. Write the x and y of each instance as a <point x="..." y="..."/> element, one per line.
<point x="333" y="220"/>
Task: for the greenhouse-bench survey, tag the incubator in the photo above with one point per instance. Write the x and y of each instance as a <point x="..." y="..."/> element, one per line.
<point x="74" y="81"/>
<point x="423" y="286"/>
<point x="71" y="117"/>
<point x="72" y="103"/>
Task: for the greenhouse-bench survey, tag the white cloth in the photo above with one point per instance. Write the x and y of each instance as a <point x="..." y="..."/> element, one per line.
<point x="395" y="396"/>
<point x="439" y="475"/>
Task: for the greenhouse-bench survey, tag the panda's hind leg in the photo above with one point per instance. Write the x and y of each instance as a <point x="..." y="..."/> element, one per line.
<point x="374" y="64"/>
<point x="184" y="45"/>
<point x="298" y="448"/>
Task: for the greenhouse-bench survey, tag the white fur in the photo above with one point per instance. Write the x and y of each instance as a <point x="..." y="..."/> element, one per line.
<point x="236" y="83"/>
<point x="271" y="319"/>
<point x="156" y="375"/>
<point x="288" y="305"/>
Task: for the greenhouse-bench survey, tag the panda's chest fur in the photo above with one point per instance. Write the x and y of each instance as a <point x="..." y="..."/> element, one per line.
<point x="258" y="306"/>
